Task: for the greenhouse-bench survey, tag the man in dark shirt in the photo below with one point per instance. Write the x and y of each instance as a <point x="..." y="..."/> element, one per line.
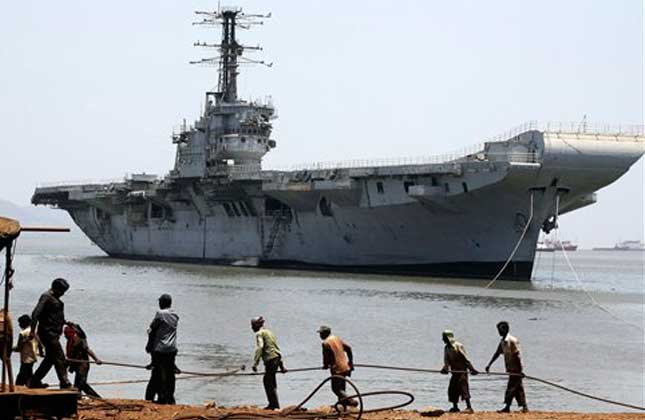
<point x="49" y="316"/>
<point x="162" y="345"/>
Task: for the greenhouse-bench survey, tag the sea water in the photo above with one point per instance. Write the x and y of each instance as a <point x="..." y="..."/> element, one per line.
<point x="582" y="332"/>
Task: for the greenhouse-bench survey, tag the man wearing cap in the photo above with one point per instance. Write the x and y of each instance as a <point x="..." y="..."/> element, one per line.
<point x="338" y="358"/>
<point x="49" y="317"/>
<point x="456" y="362"/>
<point x="162" y="346"/>
<point x="509" y="346"/>
<point x="267" y="350"/>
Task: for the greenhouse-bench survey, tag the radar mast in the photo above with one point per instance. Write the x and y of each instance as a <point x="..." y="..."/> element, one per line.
<point x="231" y="52"/>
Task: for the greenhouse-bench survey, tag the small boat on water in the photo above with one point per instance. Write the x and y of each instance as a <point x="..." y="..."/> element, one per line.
<point x="625" y="246"/>
<point x="543" y="247"/>
<point x="551" y="246"/>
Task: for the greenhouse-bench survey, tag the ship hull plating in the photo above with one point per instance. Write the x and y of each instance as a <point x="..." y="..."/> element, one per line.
<point x="470" y="217"/>
<point x="472" y="237"/>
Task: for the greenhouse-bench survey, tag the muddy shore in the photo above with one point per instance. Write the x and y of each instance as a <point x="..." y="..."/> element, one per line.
<point x="142" y="410"/>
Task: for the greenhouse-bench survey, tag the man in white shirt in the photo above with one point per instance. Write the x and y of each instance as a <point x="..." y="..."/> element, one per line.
<point x="509" y="346"/>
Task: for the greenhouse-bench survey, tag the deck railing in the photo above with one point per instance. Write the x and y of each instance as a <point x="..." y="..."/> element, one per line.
<point x="571" y="127"/>
<point x="79" y="182"/>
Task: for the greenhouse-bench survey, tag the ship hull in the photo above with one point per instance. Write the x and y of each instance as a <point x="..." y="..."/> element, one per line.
<point x="516" y="270"/>
<point x="471" y="238"/>
<point x="475" y="217"/>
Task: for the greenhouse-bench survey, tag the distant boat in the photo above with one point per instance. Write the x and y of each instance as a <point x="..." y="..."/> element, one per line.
<point x="542" y="247"/>
<point x="625" y="246"/>
<point x="550" y="246"/>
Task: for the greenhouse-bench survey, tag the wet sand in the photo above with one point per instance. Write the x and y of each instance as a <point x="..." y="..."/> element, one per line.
<point x="142" y="410"/>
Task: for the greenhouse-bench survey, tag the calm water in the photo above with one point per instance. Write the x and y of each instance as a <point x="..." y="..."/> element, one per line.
<point x="387" y="320"/>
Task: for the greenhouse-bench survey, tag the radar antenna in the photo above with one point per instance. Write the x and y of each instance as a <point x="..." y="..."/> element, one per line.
<point x="230" y="51"/>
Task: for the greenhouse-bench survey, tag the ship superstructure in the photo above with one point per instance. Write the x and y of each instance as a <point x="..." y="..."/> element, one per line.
<point x="463" y="215"/>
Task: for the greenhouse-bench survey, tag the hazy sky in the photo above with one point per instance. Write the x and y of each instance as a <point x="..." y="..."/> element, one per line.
<point x="91" y="90"/>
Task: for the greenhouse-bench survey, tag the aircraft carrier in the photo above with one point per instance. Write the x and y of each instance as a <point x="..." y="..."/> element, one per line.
<point x="475" y="214"/>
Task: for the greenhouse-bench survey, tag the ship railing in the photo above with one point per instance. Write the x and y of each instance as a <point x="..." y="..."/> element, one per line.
<point x="478" y="155"/>
<point x="572" y="127"/>
<point x="397" y="161"/>
<point x="79" y="183"/>
<point x="475" y="154"/>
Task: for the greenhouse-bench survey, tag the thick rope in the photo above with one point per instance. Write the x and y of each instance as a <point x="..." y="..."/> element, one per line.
<point x="369" y="366"/>
<point x="298" y="412"/>
<point x="517" y="245"/>
<point x="582" y="286"/>
<point x="593" y="300"/>
<point x="533" y="378"/>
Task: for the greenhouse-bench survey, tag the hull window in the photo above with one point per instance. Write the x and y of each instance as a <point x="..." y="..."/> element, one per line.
<point x="228" y="210"/>
<point x="156" y="211"/>
<point x="379" y="188"/>
<point x="325" y="207"/>
<point x="407" y="185"/>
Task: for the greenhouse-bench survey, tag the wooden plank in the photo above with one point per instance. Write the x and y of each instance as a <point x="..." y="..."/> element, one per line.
<point x="38" y="403"/>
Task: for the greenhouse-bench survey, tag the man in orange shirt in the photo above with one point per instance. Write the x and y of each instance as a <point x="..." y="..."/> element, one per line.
<point x="338" y="358"/>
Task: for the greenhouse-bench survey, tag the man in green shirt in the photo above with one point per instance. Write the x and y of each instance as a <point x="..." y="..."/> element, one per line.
<point x="267" y="350"/>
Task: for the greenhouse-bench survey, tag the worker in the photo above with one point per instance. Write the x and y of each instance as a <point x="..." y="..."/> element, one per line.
<point x="456" y="362"/>
<point x="78" y="349"/>
<point x="162" y="346"/>
<point x="49" y="318"/>
<point x="267" y="350"/>
<point x="339" y="359"/>
<point x="509" y="346"/>
<point x="6" y="327"/>
<point x="29" y="348"/>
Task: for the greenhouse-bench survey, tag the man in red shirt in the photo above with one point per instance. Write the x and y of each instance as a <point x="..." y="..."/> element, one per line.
<point x="338" y="358"/>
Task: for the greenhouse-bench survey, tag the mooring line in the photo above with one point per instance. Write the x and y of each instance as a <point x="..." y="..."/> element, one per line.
<point x="517" y="245"/>
<point x="233" y="373"/>
<point x="533" y="378"/>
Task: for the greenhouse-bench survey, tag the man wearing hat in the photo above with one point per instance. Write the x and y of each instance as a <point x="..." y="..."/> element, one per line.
<point x="49" y="317"/>
<point x="162" y="346"/>
<point x="456" y="362"/>
<point x="338" y="358"/>
<point x="267" y="350"/>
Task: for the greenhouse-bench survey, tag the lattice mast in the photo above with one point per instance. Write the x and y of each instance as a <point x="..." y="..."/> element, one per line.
<point x="230" y="50"/>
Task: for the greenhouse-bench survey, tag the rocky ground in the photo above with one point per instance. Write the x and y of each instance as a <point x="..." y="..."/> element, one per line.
<point x="141" y="410"/>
